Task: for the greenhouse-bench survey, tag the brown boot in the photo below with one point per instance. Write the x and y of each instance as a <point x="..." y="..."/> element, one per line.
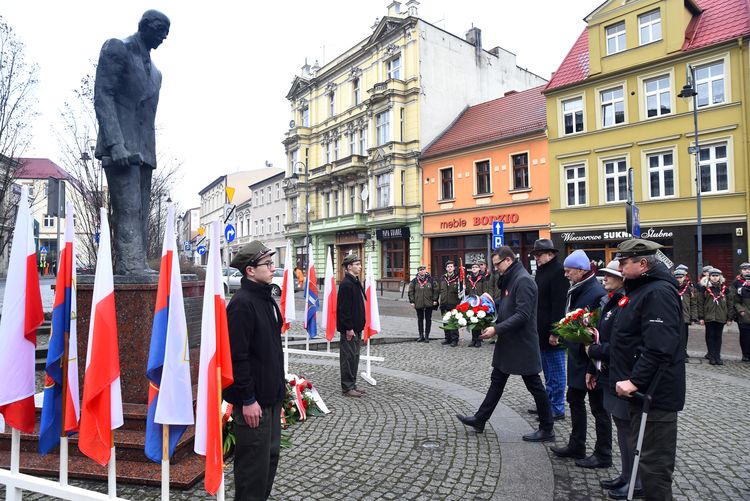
<point x="352" y="393"/>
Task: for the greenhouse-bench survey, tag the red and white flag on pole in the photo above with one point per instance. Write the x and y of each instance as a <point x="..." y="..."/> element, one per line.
<point x="22" y="314"/>
<point x="101" y="410"/>
<point x="372" y="314"/>
<point x="215" y="370"/>
<point x="328" y="322"/>
<point x="287" y="290"/>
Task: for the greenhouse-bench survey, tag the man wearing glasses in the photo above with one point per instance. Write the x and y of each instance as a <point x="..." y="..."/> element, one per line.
<point x="254" y="322"/>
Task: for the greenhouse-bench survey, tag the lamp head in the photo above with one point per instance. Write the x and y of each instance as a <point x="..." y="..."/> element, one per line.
<point x="687" y="91"/>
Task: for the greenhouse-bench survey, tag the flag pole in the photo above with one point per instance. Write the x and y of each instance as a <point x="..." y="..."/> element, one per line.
<point x="286" y="352"/>
<point x="220" y="492"/>
<point x="165" y="462"/>
<point x="112" y="468"/>
<point x="12" y="493"/>
<point x="63" y="435"/>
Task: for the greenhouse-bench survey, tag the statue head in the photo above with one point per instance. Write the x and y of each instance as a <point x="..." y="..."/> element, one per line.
<point x="153" y="28"/>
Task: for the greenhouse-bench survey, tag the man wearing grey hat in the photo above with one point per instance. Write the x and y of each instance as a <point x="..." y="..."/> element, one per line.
<point x="350" y="321"/>
<point x="742" y="308"/>
<point x="646" y="356"/>
<point x="423" y="296"/>
<point x="254" y="322"/>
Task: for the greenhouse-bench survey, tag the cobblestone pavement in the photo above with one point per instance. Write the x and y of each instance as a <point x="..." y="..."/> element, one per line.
<point x="372" y="448"/>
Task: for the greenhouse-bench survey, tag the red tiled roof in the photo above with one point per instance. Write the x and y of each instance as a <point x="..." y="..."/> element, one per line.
<point x="40" y="168"/>
<point x="721" y="20"/>
<point x="501" y="118"/>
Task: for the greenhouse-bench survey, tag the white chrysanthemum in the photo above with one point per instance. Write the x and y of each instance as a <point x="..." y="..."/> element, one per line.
<point x="481" y="314"/>
<point x="462" y="322"/>
<point x="446" y="317"/>
<point x="454" y="311"/>
<point x="469" y="313"/>
<point x="474" y="320"/>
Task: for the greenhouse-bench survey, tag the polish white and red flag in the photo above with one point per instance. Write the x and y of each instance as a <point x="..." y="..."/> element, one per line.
<point x="101" y="409"/>
<point x="328" y="321"/>
<point x="287" y="291"/>
<point x="21" y="315"/>
<point x="372" y="314"/>
<point x="215" y="370"/>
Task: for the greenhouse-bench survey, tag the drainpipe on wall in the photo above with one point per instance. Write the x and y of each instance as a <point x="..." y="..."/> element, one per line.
<point x="745" y="143"/>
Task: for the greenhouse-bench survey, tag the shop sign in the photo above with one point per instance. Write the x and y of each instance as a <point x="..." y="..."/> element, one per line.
<point x="393" y="233"/>
<point x="649" y="234"/>
<point x="460" y="222"/>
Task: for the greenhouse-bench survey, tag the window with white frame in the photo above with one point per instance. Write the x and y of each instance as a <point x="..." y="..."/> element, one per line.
<point x="709" y="81"/>
<point x="329" y="151"/>
<point x="613" y="106"/>
<point x="615" y="38"/>
<point x="393" y="67"/>
<point x="278" y="224"/>
<point x="649" y="27"/>
<point x="401" y="123"/>
<point x="262" y="197"/>
<point x="403" y="187"/>
<point x="446" y="183"/>
<point x="383" y="127"/>
<point x="575" y="185"/>
<point x="336" y="203"/>
<point x="326" y="205"/>
<point x="270" y="228"/>
<point x="355" y="91"/>
<point x="268" y="195"/>
<point x="714" y="168"/>
<point x="306" y="116"/>
<point x="363" y="141"/>
<point x="352" y="143"/>
<point x="573" y="115"/>
<point x="520" y="171"/>
<point x="383" y="190"/>
<point x="352" y="199"/>
<point x="49" y="221"/>
<point x="331" y="103"/>
<point x="293" y="202"/>
<point x="255" y="227"/>
<point x="660" y="174"/>
<point x="336" y="149"/>
<point x="278" y="191"/>
<point x="658" y="96"/>
<point x="615" y="180"/>
<point x="482" y="175"/>
<point x="362" y="189"/>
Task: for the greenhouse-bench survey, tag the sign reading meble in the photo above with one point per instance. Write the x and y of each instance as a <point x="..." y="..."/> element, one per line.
<point x="650" y="234"/>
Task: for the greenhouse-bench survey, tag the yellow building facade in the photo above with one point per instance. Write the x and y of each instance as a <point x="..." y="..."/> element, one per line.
<point x="614" y="105"/>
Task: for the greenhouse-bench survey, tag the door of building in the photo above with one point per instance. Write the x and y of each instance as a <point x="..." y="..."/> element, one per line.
<point x="717" y="252"/>
<point x="439" y="258"/>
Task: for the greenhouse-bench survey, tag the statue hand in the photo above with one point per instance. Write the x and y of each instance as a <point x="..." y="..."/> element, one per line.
<point x="119" y="155"/>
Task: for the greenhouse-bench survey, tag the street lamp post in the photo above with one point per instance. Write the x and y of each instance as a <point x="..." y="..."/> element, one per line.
<point x="689" y="91"/>
<point x="307" y="203"/>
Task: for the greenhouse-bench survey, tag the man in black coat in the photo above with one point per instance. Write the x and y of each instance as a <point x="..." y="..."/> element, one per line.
<point x="350" y="321"/>
<point x="553" y="287"/>
<point x="517" y="347"/>
<point x="254" y="322"/>
<point x="585" y="292"/>
<point x="647" y="342"/>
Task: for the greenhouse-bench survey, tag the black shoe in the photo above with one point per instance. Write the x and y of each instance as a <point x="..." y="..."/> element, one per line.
<point x="478" y="344"/>
<point x="622" y="492"/>
<point x="454" y="344"/>
<point x="532" y="411"/>
<point x="712" y="361"/>
<point x="555" y="417"/>
<point x="746" y="359"/>
<point x="567" y="452"/>
<point x="426" y="340"/>
<point x="472" y="422"/>
<point x="706" y="356"/>
<point x="614" y="483"/>
<point x="540" y="436"/>
<point x="594" y="461"/>
<point x="420" y="340"/>
<point x="447" y="341"/>
<point x="719" y="361"/>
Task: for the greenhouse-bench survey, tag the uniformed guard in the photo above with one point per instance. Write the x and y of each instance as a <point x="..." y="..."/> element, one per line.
<point x="449" y="299"/>
<point x="423" y="297"/>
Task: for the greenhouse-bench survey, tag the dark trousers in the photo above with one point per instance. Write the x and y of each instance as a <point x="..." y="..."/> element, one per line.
<point x="714" y="331"/>
<point x="256" y="454"/>
<point x="627" y="452"/>
<point x="533" y="383"/>
<point x="577" y="400"/>
<point x="745" y="340"/>
<point x="656" y="464"/>
<point x="130" y="193"/>
<point x="684" y="336"/>
<point x="424" y="321"/>
<point x="349" y="360"/>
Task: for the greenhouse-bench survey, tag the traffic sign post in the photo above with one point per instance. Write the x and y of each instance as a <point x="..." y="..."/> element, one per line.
<point x="186" y="246"/>
<point x="498" y="235"/>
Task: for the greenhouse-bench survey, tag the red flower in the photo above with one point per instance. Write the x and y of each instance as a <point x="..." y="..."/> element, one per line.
<point x="623" y="301"/>
<point x="484" y="308"/>
<point x="463" y="307"/>
<point x="292" y="382"/>
<point x="475" y="309"/>
<point x="309" y="385"/>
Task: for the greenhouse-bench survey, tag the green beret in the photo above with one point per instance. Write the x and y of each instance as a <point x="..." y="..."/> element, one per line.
<point x="349" y="259"/>
<point x="250" y="254"/>
<point x="636" y="247"/>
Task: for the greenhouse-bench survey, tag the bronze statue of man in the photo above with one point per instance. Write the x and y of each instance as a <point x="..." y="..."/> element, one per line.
<point x="126" y="94"/>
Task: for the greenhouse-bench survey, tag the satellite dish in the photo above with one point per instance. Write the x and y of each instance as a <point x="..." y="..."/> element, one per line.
<point x="292" y="124"/>
<point x="364" y="194"/>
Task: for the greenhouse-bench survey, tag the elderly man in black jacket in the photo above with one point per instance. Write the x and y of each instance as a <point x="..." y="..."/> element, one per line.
<point x="254" y="322"/>
<point x="585" y="292"/>
<point x="517" y="347"/>
<point x="647" y="342"/>
<point x="553" y="287"/>
<point x="350" y="321"/>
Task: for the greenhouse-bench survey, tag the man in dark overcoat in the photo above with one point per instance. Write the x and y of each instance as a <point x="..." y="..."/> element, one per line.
<point x="517" y="347"/>
<point x="350" y="321"/>
<point x="585" y="292"/>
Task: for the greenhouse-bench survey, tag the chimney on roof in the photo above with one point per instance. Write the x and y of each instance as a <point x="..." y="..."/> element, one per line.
<point x="411" y="8"/>
<point x="510" y="93"/>
<point x="315" y="68"/>
<point x="394" y="8"/>
<point x="474" y="37"/>
<point x="305" y="69"/>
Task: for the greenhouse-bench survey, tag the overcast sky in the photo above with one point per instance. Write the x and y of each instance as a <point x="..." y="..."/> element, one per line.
<point x="228" y="65"/>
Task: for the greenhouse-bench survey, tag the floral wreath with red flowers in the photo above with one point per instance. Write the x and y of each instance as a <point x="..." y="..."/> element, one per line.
<point x="578" y="326"/>
<point x="475" y="313"/>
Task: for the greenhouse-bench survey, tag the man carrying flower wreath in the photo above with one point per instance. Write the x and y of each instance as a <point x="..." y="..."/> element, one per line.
<point x="517" y="347"/>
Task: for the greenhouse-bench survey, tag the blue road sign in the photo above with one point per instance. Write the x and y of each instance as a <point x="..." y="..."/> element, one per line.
<point x="186" y="246"/>
<point x="497" y="241"/>
<point x="96" y="237"/>
<point x="201" y="249"/>
<point x="42" y="250"/>
<point x="497" y="228"/>
<point x="229" y="233"/>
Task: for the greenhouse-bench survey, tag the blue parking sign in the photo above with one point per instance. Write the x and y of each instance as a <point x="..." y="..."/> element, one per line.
<point x="498" y="238"/>
<point x="497" y="241"/>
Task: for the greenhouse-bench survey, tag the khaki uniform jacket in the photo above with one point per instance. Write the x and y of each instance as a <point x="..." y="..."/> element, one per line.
<point x="720" y="309"/>
<point x="449" y="291"/>
<point x="475" y="286"/>
<point x="742" y="301"/>
<point x="423" y="295"/>
<point x="689" y="300"/>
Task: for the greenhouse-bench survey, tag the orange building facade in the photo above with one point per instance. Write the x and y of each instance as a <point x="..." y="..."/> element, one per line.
<point x="490" y="165"/>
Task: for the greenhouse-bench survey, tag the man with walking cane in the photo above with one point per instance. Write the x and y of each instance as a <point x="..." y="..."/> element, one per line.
<point x="646" y="356"/>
